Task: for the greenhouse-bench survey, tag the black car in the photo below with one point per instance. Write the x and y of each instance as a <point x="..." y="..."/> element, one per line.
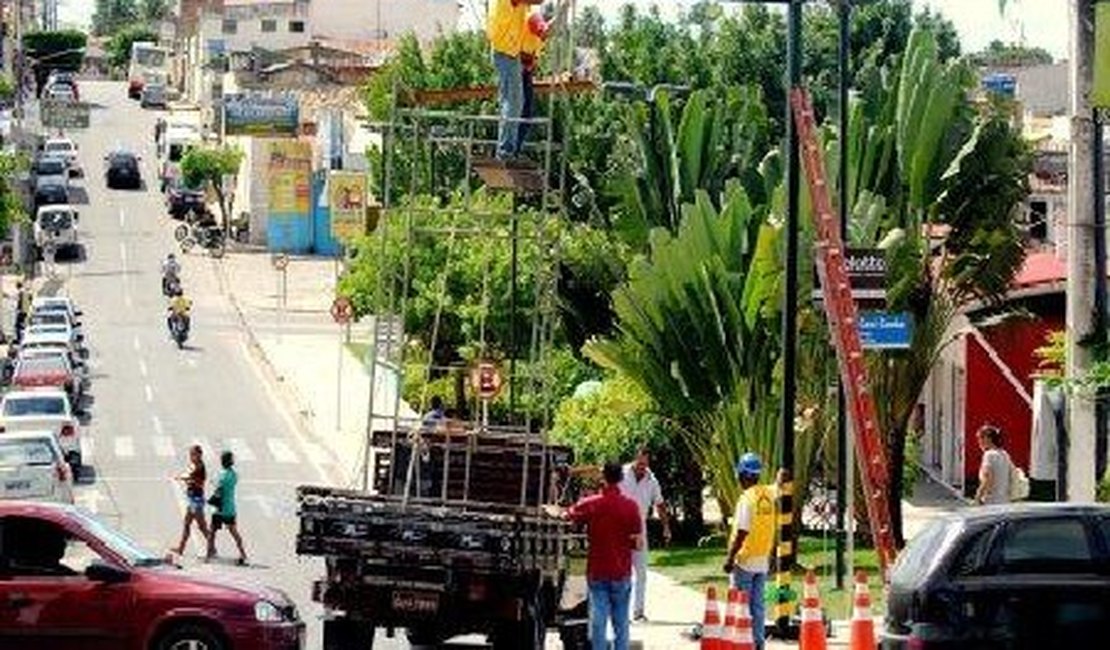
<point x="123" y="170"/>
<point x="50" y="194"/>
<point x="1013" y="576"/>
<point x="182" y="199"/>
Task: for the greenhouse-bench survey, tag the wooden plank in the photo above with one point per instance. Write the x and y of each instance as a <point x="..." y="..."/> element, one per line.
<point x="453" y="95"/>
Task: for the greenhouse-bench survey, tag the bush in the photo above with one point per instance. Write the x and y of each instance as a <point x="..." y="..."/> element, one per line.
<point x="608" y="420"/>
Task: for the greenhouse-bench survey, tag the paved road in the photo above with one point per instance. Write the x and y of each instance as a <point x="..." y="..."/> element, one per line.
<point x="152" y="400"/>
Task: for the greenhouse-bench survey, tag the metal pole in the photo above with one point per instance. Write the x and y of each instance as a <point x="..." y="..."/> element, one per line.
<point x="1081" y="263"/>
<point x="785" y="549"/>
<point x="842" y="457"/>
<point x="512" y="314"/>
<point x="339" y="385"/>
<point x="1100" y="293"/>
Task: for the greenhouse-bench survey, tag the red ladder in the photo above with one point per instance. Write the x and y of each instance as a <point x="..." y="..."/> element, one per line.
<point x="841" y="311"/>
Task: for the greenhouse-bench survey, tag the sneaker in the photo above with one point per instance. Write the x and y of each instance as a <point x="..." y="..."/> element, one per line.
<point x="639" y="617"/>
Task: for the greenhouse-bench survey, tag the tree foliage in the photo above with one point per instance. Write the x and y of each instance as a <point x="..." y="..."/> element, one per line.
<point x="111" y="16"/>
<point x="61" y="50"/>
<point x="999" y="54"/>
<point x="119" y="46"/>
<point x="11" y="203"/>
<point x="212" y="167"/>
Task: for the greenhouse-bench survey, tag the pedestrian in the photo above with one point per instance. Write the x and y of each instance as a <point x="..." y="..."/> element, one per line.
<point x="223" y="499"/>
<point x="752" y="540"/>
<point x="22" y="309"/>
<point x="638" y="483"/>
<point x="436" y="415"/>
<point x="194" y="478"/>
<point x="614" y="530"/>
<point x="996" y="470"/>
<point x="505" y="27"/>
<point x="531" y="45"/>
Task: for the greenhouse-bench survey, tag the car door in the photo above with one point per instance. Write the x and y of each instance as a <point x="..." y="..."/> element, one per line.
<point x="46" y="601"/>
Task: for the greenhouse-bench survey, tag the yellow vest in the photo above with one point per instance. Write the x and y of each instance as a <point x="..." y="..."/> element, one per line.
<point x="761" y="534"/>
<point x="505" y="27"/>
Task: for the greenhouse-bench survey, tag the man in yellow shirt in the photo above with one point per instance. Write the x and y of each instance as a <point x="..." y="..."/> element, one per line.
<point x="505" y="29"/>
<point x="179" y="306"/>
<point x="753" y="540"/>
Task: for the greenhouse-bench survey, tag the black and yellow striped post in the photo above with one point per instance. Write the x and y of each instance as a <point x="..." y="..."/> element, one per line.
<point x="785" y="557"/>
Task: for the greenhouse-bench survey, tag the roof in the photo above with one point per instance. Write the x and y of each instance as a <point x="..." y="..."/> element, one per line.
<point x="1026" y="509"/>
<point x="1041" y="268"/>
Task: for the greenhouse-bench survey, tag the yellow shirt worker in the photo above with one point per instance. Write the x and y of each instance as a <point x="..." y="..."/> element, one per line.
<point x="505" y="29"/>
<point x="752" y="540"/>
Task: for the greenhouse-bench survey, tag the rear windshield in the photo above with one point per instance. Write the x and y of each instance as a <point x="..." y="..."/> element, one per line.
<point x="35" y="406"/>
<point x="56" y="219"/>
<point x="14" y="453"/>
<point x="42" y="364"/>
<point x="64" y="147"/>
<point x="50" y="166"/>
<point x="917" y="559"/>
<point x="52" y="317"/>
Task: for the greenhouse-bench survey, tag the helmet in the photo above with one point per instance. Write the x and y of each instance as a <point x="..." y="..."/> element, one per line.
<point x="749" y="465"/>
<point x="170" y="256"/>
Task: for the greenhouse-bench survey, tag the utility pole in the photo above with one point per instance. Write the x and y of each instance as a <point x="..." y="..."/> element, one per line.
<point x="1081" y="264"/>
<point x="843" y="458"/>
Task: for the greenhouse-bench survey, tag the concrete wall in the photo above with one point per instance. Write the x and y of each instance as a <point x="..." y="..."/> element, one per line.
<point x="366" y="20"/>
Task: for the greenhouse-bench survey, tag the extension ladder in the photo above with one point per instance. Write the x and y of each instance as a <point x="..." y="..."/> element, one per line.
<point x="841" y="311"/>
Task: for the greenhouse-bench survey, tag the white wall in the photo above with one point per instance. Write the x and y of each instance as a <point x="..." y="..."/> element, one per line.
<point x="248" y="28"/>
<point x="365" y="20"/>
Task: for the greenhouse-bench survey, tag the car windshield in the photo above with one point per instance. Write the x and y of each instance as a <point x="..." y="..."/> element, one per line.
<point x="59" y="147"/>
<point x="41" y="365"/>
<point x="119" y="543"/>
<point x="56" y="219"/>
<point x="123" y="160"/>
<point x="42" y="405"/>
<point x="50" y="167"/>
<point x="48" y="316"/>
<point x="14" y="453"/>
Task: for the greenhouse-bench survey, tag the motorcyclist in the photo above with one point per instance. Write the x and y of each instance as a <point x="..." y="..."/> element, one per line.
<point x="171" y="271"/>
<point x="179" y="307"/>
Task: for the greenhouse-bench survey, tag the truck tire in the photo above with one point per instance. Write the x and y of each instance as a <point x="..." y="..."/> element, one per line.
<point x="529" y="633"/>
<point x="345" y="634"/>
<point x="430" y="638"/>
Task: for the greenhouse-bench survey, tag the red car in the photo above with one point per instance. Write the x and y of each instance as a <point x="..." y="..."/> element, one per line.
<point x="69" y="582"/>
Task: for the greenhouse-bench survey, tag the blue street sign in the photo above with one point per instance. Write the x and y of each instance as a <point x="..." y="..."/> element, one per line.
<point x="885" y="331"/>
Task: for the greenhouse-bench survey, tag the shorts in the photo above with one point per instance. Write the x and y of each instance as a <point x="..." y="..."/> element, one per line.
<point x="218" y="521"/>
<point x="194" y="503"/>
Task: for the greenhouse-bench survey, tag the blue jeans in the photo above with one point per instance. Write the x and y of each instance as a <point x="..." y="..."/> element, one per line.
<point x="609" y="602"/>
<point x="528" y="107"/>
<point x="753" y="584"/>
<point x="510" y="88"/>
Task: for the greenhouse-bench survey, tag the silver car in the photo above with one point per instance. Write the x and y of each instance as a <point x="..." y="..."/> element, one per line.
<point x="32" y="467"/>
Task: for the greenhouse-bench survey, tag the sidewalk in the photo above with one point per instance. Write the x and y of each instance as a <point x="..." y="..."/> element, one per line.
<point x="300" y="348"/>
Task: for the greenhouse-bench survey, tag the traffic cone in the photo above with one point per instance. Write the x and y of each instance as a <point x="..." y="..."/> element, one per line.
<point x="711" y="623"/>
<point x="743" y="639"/>
<point x="863" y="626"/>
<point x="728" y="632"/>
<point x="812" y="633"/>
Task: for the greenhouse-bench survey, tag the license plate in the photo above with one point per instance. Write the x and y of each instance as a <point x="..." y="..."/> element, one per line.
<point x="13" y="486"/>
<point x="416" y="602"/>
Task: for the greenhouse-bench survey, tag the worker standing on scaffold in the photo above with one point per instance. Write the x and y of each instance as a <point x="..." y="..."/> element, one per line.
<point x="505" y="29"/>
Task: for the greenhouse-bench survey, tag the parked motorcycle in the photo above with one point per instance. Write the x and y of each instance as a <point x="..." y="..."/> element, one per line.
<point x="210" y="238"/>
<point x="179" y="329"/>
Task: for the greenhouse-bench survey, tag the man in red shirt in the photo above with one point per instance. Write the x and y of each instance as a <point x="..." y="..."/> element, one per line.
<point x="615" y="530"/>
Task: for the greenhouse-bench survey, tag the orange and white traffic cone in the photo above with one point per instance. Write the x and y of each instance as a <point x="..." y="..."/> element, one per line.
<point x="812" y="633"/>
<point x="743" y="638"/>
<point x="711" y="622"/>
<point x="728" y="632"/>
<point x="863" y="626"/>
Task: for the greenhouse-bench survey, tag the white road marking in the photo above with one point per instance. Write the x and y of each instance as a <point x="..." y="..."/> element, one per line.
<point x="157" y="422"/>
<point x="149" y="392"/>
<point x="125" y="447"/>
<point x="163" y="446"/>
<point x="142" y="367"/>
<point x="241" y="449"/>
<point x="127" y="299"/>
<point x="89" y="499"/>
<point x="281" y="450"/>
<point x="191" y="362"/>
<point x="135" y="343"/>
<point x="88" y="450"/>
<point x="316" y="452"/>
<point x="121" y="217"/>
<point x="205" y="446"/>
<point x="123" y="254"/>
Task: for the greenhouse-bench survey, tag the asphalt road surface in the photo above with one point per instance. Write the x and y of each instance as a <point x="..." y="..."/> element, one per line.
<point x="151" y="400"/>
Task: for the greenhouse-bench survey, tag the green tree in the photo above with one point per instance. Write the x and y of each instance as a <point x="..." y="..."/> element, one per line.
<point x="119" y="45"/>
<point x="999" y="54"/>
<point x="154" y="11"/>
<point x="58" y="50"/>
<point x="11" y="203"/>
<point x="110" y="16"/>
<point x="215" y="168"/>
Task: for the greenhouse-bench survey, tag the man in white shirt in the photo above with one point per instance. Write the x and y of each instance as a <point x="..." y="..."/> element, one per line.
<point x="640" y="485"/>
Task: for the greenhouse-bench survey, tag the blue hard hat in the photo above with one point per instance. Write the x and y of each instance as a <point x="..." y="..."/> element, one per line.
<point x="749" y="465"/>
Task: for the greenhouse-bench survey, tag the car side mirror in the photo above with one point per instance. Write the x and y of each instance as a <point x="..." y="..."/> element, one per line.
<point x="78" y="312"/>
<point x="106" y="573"/>
<point x="80" y="338"/>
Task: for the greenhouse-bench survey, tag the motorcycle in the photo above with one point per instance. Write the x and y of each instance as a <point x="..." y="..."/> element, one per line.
<point x="210" y="238"/>
<point x="171" y="285"/>
<point x="179" y="329"/>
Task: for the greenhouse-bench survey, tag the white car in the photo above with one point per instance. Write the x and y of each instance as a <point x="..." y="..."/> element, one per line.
<point x="63" y="148"/>
<point x="46" y="329"/>
<point x="60" y="92"/>
<point x="57" y="304"/>
<point x="43" y="410"/>
<point x="33" y="468"/>
<point x="50" y="170"/>
<point x="56" y="226"/>
<point x="51" y="340"/>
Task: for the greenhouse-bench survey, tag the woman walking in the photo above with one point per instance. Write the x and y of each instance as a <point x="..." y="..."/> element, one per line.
<point x="996" y="470"/>
<point x="194" y="478"/>
<point x="224" y="501"/>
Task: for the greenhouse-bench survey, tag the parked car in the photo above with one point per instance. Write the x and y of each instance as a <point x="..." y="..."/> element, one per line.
<point x="122" y="170"/>
<point x="43" y="410"/>
<point x="62" y="78"/>
<point x="71" y="581"/>
<point x="54" y="194"/>
<point x="152" y="95"/>
<point x="56" y="226"/>
<point x="64" y="148"/>
<point x="48" y="372"/>
<point x="49" y="169"/>
<point x="61" y="341"/>
<point x="182" y="199"/>
<point x="1014" y="576"/>
<point x="33" y="467"/>
<point x="57" y="305"/>
<point x="60" y="92"/>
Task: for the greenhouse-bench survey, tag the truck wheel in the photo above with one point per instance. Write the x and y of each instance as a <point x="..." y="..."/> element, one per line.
<point x="430" y="638"/>
<point x="345" y="634"/>
<point x="528" y="634"/>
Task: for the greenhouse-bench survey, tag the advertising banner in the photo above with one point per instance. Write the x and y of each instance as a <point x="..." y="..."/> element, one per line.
<point x="289" y="170"/>
<point x="347" y="201"/>
<point x="261" y="116"/>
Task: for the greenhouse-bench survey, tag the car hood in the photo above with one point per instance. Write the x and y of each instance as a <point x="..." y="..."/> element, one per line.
<point x="216" y="580"/>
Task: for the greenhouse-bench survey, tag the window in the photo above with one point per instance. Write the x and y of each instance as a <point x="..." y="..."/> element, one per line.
<point x="230" y="26"/>
<point x="37" y="548"/>
<point x="1038" y="220"/>
<point x="296" y="26"/>
<point x="972" y="557"/>
<point x="1047" y="545"/>
<point x="269" y="25"/>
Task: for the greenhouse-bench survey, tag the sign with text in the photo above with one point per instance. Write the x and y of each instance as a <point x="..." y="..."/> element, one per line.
<point x="261" y="116"/>
<point x="885" y="331"/>
<point x="867" y="275"/>
<point x="64" y="115"/>
<point x="347" y="202"/>
<point x="289" y="172"/>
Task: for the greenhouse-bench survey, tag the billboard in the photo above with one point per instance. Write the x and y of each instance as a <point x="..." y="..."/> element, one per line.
<point x="261" y="116"/>
<point x="347" y="202"/>
<point x="64" y="114"/>
<point x="289" y="175"/>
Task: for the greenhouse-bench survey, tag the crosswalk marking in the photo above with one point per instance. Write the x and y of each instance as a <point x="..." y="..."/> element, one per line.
<point x="241" y="449"/>
<point x="163" y="446"/>
<point x="281" y="450"/>
<point x="88" y="450"/>
<point x="125" y="446"/>
<point x="316" y="452"/>
<point x="88" y="500"/>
